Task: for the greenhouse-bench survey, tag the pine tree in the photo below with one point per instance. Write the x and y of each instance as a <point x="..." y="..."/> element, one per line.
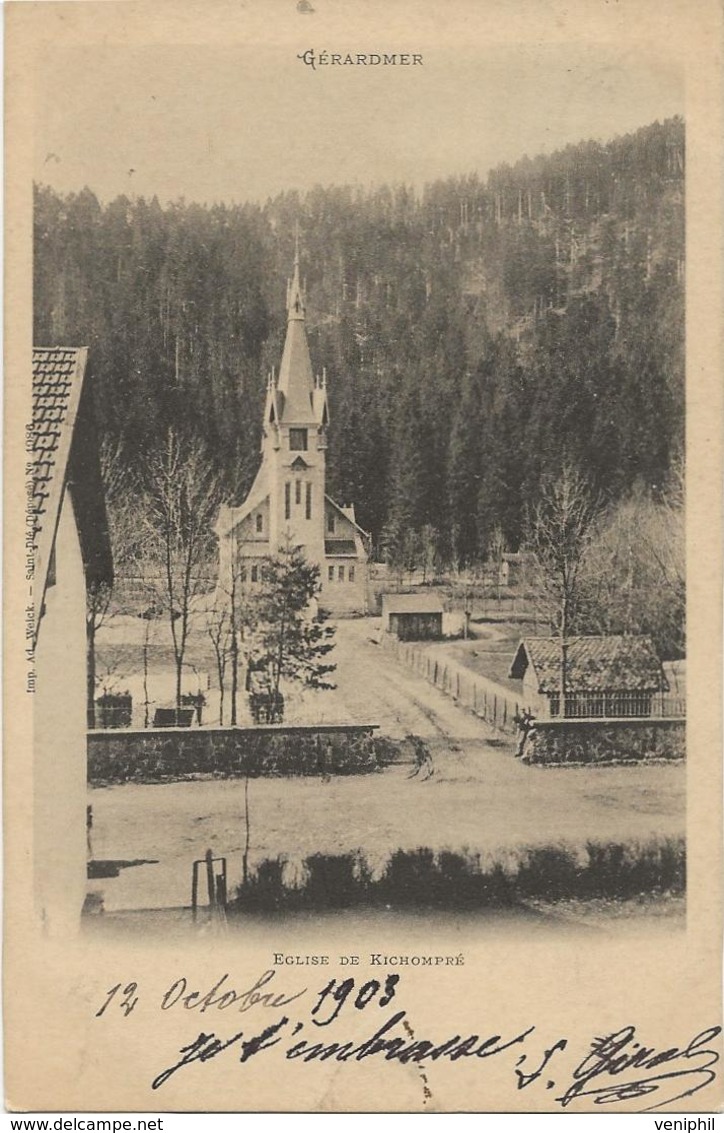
<point x="290" y="644"/>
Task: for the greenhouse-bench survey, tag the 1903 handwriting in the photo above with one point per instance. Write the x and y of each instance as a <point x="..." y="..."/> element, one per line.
<point x="616" y="1069"/>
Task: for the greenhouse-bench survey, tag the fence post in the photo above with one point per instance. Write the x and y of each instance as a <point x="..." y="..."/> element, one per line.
<point x="194" y="890"/>
<point x="210" y="877"/>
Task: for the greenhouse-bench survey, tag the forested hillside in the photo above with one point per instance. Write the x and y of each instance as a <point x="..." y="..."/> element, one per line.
<point x="474" y="335"/>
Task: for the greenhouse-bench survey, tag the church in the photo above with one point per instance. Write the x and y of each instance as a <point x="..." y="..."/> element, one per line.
<point x="287" y="504"/>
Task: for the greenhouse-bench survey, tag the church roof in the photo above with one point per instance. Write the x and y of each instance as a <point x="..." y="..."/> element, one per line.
<point x="296" y="379"/>
<point x="348" y="514"/>
<point x="231" y="517"/>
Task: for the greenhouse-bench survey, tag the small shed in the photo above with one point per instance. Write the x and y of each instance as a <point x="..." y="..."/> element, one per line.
<point x="412" y="617"/>
<point x="606" y="676"/>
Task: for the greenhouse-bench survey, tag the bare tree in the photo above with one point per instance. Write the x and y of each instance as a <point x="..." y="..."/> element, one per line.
<point x="561" y="530"/>
<point x="218" y="627"/>
<point x="125" y="536"/>
<point x="429" y="539"/>
<point x="496" y="550"/>
<point x="183" y="497"/>
<point x="635" y="572"/>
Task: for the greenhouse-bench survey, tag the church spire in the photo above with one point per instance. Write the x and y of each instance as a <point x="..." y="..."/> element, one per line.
<point x="296" y="380"/>
<point x="295" y="294"/>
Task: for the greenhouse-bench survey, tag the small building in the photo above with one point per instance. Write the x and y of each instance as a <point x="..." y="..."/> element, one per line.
<point x="71" y="551"/>
<point x="412" y="617"/>
<point x="605" y="676"/>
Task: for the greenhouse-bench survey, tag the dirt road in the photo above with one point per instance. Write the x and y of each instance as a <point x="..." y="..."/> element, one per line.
<point x="373" y="687"/>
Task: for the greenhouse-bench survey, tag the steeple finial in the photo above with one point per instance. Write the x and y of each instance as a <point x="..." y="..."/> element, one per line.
<point x="295" y="294"/>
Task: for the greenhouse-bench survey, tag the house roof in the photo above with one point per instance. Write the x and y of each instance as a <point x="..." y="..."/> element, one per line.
<point x="593" y="664"/>
<point x="411" y="604"/>
<point x="65" y="454"/>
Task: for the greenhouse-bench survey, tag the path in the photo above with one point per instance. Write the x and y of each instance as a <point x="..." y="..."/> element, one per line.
<point x="373" y="686"/>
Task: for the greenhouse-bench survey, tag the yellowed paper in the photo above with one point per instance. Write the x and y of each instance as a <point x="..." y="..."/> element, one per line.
<point x="278" y="1011"/>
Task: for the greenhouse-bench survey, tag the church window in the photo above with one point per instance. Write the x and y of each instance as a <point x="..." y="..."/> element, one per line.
<point x="298" y="491"/>
<point x="287" y="500"/>
<point x="242" y="574"/>
<point x="298" y="440"/>
<point x="259" y="522"/>
<point x="330" y="523"/>
<point x="350" y="574"/>
<point x="309" y="501"/>
<point x="340" y="573"/>
<point x="255" y="574"/>
<point x="330" y="574"/>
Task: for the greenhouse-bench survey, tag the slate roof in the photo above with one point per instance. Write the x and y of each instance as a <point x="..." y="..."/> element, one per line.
<point x="411" y="604"/>
<point x="593" y="664"/>
<point x="65" y="454"/>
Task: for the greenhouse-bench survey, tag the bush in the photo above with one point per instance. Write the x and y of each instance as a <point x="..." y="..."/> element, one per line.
<point x="450" y="879"/>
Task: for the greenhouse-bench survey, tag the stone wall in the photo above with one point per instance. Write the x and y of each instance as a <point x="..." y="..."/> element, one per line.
<point x="606" y="741"/>
<point x="167" y="754"/>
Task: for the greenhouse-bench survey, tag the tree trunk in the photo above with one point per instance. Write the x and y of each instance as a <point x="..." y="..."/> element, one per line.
<point x="145" y="679"/>
<point x="247" y="835"/>
<point x="564" y="649"/>
<point x="234" y="674"/>
<point x="90" y="632"/>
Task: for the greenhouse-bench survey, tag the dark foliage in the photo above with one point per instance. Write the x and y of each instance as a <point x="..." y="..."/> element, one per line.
<point x="460" y="880"/>
<point x="475" y="336"/>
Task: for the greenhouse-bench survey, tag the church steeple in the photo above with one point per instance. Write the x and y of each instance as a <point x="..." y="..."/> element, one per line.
<point x="301" y="404"/>
<point x="295" y="294"/>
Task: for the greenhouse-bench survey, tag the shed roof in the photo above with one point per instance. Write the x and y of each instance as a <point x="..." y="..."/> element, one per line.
<point x="411" y="604"/>
<point x="65" y="454"/>
<point x="593" y="664"/>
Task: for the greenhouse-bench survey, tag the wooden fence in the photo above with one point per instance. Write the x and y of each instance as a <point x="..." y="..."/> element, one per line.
<point x="488" y="700"/>
<point x="493" y="702"/>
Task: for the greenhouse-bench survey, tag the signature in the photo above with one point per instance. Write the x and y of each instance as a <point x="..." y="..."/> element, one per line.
<point x="678" y="1072"/>
<point x="616" y="1069"/>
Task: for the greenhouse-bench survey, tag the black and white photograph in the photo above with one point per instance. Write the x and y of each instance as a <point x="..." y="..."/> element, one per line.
<point x="355" y="458"/>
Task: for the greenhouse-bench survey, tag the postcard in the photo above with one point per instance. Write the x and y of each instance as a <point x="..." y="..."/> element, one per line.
<point x="363" y="557"/>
